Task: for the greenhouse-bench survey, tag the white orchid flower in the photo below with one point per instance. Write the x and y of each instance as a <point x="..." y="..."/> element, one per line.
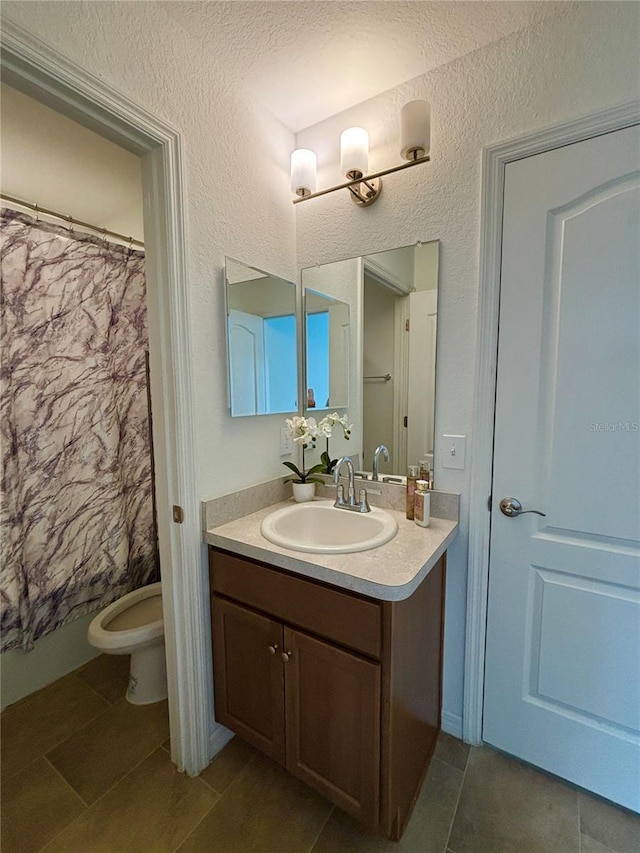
<point x="325" y="428"/>
<point x="326" y="425"/>
<point x="302" y="430"/>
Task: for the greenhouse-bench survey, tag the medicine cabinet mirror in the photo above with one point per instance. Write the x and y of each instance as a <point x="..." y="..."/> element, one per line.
<point x="390" y="350"/>
<point x="261" y="341"/>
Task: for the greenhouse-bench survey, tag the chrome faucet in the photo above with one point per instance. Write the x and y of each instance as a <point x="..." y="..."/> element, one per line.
<point x="381" y="448"/>
<point x="362" y="505"/>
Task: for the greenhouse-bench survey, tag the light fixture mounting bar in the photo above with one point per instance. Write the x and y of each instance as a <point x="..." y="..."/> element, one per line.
<point x="362" y="180"/>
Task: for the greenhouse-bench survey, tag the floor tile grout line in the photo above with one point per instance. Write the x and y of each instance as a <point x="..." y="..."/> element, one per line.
<point x="77" y="817"/>
<point x="29" y="697"/>
<point x="233" y="781"/>
<point x="66" y="782"/>
<point x="84" y="726"/>
<point x="118" y="781"/>
<point x="220" y="796"/>
<point x="115" y="784"/>
<point x="77" y="731"/>
<point x="204" y="816"/>
<point x="5" y="776"/>
<point x="89" y="806"/>
<point x="60" y="742"/>
<point x="58" y="834"/>
<point x="323" y="827"/>
<point x="196" y="825"/>
<point x="455" y="810"/>
<point x="213" y="805"/>
<point x="93" y="689"/>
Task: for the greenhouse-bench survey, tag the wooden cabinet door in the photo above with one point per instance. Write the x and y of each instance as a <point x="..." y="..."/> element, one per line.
<point x="333" y="723"/>
<point x="249" y="676"/>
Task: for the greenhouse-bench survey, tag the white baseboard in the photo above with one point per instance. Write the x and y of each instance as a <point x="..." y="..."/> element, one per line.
<point x="452" y="724"/>
<point x="219" y="737"/>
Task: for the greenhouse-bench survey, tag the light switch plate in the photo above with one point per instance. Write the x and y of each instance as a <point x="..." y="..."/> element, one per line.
<point x="454" y="451"/>
<point x="286" y="442"/>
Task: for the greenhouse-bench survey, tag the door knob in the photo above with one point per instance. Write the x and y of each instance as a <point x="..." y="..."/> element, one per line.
<point x="273" y="649"/>
<point x="511" y="507"/>
<point x="286" y="656"/>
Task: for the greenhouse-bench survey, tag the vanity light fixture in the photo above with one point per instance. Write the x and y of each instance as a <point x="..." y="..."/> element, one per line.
<point x="303" y="172"/>
<point x="415" y="120"/>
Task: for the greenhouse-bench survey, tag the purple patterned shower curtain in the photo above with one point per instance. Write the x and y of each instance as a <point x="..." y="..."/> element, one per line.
<point x="76" y="518"/>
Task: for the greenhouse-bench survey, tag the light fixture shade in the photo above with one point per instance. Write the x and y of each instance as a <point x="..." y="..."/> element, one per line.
<point x="303" y="172"/>
<point x="415" y="130"/>
<point x="354" y="152"/>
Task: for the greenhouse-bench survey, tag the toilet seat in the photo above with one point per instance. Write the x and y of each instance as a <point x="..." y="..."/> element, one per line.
<point x="123" y="641"/>
<point x="144" y="611"/>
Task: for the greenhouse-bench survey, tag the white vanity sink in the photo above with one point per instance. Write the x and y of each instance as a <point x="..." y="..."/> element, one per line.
<point x="318" y="527"/>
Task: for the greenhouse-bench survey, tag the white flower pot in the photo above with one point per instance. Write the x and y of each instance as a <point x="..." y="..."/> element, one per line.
<point x="303" y="492"/>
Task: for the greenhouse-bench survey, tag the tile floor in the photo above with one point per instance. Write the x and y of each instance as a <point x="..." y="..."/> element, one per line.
<point x="85" y="772"/>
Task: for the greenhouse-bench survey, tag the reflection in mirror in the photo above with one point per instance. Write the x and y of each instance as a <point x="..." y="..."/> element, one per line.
<point x="399" y="355"/>
<point x="327" y="355"/>
<point x="393" y="299"/>
<point x="261" y="341"/>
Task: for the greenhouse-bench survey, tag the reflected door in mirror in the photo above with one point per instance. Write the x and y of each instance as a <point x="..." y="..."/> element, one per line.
<point x="247" y="363"/>
<point x="262" y="342"/>
<point x="327" y="351"/>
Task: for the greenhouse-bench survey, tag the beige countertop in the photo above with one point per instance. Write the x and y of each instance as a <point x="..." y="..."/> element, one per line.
<point x="391" y="572"/>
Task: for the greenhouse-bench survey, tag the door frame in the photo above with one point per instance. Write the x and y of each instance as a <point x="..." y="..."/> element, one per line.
<point x="494" y="160"/>
<point x="34" y="68"/>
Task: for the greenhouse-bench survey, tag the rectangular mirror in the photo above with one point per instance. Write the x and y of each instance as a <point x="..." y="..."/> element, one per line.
<point x="261" y="341"/>
<point x="390" y="371"/>
<point x="327" y="351"/>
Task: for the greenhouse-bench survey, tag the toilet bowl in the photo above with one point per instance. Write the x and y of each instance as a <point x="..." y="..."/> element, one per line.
<point x="133" y="625"/>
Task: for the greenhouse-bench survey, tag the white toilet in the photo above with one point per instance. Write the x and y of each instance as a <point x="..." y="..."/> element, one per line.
<point x="133" y="625"/>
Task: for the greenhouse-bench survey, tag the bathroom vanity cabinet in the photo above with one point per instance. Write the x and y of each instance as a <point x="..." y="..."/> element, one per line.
<point x="343" y="690"/>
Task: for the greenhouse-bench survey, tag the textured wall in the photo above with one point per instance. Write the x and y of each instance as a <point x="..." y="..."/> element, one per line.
<point x="585" y="60"/>
<point x="237" y="184"/>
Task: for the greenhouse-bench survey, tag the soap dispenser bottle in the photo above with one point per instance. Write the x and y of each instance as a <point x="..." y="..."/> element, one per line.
<point x="422" y="504"/>
<point x="412" y="476"/>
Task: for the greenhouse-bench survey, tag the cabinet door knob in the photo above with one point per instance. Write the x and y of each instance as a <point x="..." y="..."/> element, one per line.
<point x="273" y="649"/>
<point x="286" y="656"/>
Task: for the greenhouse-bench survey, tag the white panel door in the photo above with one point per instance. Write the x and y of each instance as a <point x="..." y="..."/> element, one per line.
<point x="562" y="687"/>
<point x="339" y="366"/>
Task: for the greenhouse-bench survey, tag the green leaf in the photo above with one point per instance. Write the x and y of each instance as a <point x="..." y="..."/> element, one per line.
<point x="295" y="470"/>
<point x="317" y="469"/>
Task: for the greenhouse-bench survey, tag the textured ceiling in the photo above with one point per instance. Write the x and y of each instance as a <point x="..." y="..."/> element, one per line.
<point x="311" y="59"/>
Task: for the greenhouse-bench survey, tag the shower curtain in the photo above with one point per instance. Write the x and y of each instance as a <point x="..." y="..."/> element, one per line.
<point x="76" y="520"/>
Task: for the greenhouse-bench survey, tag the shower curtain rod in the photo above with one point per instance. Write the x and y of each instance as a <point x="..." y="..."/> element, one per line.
<point x="104" y="231"/>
